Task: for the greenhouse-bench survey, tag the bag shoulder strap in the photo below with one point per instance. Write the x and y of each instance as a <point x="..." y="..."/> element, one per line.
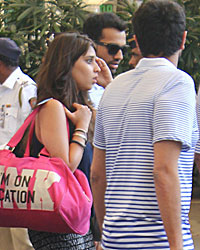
<point x="20" y="132"/>
<point x="43" y="150"/>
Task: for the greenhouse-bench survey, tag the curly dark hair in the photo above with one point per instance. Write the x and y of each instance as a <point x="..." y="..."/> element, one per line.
<point x="95" y="23"/>
<point x="159" y="26"/>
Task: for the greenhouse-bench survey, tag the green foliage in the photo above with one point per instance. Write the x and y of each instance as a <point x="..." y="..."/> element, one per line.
<point x="190" y="59"/>
<point x="32" y="23"/>
<point x="125" y="11"/>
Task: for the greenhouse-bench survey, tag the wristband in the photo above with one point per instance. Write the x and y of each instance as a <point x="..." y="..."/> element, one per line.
<point x="79" y="143"/>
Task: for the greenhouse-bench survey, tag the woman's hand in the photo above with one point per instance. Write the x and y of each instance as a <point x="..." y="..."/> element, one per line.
<point x="81" y="117"/>
<point x="105" y="76"/>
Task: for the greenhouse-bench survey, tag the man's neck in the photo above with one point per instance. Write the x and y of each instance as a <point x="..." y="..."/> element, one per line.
<point x="173" y="59"/>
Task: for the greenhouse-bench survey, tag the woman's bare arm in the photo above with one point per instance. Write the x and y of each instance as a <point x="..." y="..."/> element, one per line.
<point x="51" y="130"/>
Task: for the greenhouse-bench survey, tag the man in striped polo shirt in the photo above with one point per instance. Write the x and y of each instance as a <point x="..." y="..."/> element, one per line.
<point x="145" y="135"/>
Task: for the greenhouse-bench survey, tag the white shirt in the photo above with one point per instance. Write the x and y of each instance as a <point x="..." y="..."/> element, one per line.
<point x="15" y="93"/>
<point x="153" y="102"/>
<point x="95" y="94"/>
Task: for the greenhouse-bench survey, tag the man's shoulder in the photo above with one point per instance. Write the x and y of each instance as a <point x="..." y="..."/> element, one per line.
<point x="184" y="75"/>
<point x="24" y="80"/>
<point x="118" y="89"/>
<point x="27" y="87"/>
<point x="125" y="74"/>
<point x="121" y="78"/>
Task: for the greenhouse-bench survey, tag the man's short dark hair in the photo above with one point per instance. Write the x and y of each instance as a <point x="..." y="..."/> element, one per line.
<point x="9" y="62"/>
<point x="159" y="26"/>
<point x="95" y="23"/>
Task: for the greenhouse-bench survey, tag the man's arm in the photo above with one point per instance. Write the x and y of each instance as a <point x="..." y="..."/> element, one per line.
<point x="166" y="179"/>
<point x="98" y="183"/>
<point x="197" y="161"/>
<point x="197" y="149"/>
<point x="27" y="99"/>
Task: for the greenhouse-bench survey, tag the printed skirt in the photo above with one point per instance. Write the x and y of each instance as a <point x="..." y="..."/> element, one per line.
<point x="55" y="241"/>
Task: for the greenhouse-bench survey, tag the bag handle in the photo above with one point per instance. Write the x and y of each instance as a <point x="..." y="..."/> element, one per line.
<point x="20" y="132"/>
<point x="30" y="136"/>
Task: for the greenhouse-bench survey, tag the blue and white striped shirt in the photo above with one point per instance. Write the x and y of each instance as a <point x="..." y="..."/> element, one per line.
<point x="197" y="149"/>
<point x="153" y="102"/>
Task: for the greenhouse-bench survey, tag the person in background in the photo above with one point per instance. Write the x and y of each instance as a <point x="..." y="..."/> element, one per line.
<point x="135" y="52"/>
<point x="17" y="98"/>
<point x="145" y="135"/>
<point x="69" y="69"/>
<point x="107" y="30"/>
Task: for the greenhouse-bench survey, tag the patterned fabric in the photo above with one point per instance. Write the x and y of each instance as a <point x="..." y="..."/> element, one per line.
<point x="48" y="241"/>
<point x="154" y="102"/>
<point x="197" y="149"/>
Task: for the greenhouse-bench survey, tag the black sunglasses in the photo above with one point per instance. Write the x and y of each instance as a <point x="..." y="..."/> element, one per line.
<point x="113" y="48"/>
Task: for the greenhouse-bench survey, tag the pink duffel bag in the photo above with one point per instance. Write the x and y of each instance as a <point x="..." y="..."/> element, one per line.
<point x="42" y="193"/>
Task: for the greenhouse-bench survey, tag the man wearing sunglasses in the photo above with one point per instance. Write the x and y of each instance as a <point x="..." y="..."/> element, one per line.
<point x="107" y="30"/>
<point x="115" y="51"/>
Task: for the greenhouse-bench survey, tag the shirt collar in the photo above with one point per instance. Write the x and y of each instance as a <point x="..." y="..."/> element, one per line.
<point x="13" y="77"/>
<point x="154" y="62"/>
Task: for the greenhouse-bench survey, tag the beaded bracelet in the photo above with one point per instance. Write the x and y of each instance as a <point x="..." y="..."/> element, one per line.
<point x="79" y="143"/>
<point x="81" y="135"/>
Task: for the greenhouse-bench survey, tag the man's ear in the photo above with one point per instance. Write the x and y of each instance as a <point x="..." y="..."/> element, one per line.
<point x="1" y="65"/>
<point x="183" y="40"/>
<point x="137" y="45"/>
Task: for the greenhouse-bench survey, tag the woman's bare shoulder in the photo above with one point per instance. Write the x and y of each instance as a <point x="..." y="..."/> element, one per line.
<point x="51" y="109"/>
<point x="52" y="105"/>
